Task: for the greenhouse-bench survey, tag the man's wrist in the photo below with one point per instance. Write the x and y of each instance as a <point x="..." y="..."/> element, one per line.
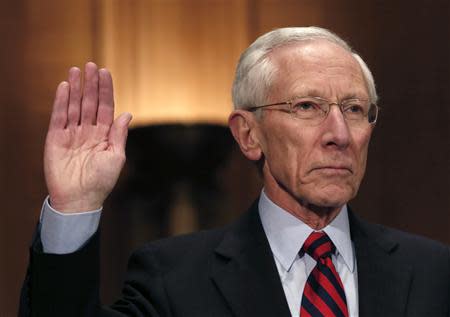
<point x="73" y="207"/>
<point x="63" y="233"/>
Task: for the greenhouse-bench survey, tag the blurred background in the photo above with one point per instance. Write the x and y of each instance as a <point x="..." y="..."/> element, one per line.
<point x="173" y="63"/>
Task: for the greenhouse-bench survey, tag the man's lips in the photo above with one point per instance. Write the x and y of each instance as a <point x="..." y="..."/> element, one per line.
<point x="336" y="169"/>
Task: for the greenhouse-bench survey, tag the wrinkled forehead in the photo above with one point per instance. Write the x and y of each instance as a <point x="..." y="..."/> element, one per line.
<point x="316" y="66"/>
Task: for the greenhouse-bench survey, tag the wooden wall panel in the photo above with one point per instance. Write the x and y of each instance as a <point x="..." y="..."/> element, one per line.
<point x="10" y="55"/>
<point x="43" y="39"/>
<point x="173" y="61"/>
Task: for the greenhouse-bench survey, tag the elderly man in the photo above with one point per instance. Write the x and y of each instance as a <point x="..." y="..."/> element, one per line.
<point x="305" y="108"/>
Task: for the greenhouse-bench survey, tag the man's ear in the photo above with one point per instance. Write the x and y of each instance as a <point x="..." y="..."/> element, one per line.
<point x="243" y="126"/>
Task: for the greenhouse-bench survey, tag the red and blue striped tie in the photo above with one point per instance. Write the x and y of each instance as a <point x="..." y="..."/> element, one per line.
<point x="323" y="295"/>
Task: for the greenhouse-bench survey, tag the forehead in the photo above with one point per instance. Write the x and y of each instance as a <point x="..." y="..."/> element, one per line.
<point x="316" y="67"/>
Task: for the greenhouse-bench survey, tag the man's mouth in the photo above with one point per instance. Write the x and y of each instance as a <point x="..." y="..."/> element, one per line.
<point x="334" y="169"/>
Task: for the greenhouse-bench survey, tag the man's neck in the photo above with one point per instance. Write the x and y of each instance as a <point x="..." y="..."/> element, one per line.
<point x="316" y="217"/>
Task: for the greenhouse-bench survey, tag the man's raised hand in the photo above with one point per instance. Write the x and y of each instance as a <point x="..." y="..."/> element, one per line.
<point x="85" y="147"/>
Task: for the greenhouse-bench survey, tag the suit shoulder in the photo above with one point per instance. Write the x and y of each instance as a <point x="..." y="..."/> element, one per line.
<point x="416" y="244"/>
<point x="197" y="240"/>
<point x="391" y="239"/>
<point x="180" y="250"/>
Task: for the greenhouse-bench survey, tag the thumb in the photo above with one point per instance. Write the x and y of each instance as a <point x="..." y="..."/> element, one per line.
<point x="119" y="132"/>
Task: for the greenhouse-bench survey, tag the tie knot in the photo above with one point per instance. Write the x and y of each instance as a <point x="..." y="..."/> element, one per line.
<point x="318" y="245"/>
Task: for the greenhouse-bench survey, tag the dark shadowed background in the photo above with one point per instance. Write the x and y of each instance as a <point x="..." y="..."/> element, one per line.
<point x="172" y="62"/>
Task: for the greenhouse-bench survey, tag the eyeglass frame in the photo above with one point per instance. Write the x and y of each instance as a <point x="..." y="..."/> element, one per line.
<point x="330" y="103"/>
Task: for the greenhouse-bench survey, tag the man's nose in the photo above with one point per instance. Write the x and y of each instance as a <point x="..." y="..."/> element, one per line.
<point x="336" y="130"/>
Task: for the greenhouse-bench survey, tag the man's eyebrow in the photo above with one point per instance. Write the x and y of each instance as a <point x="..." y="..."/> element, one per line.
<point x="317" y="93"/>
<point x="355" y="95"/>
<point x="309" y="93"/>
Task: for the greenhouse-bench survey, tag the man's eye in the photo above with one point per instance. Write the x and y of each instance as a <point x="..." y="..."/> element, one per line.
<point x="305" y="106"/>
<point x="355" y="108"/>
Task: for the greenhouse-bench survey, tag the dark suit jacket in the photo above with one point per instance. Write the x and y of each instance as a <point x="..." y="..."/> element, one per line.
<point x="231" y="272"/>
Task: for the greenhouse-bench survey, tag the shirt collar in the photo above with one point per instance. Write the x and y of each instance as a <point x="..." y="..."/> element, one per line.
<point x="286" y="233"/>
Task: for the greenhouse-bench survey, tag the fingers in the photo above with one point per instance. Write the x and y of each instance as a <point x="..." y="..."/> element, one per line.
<point x="105" y="113"/>
<point x="92" y="104"/>
<point x="119" y="132"/>
<point x="75" y="96"/>
<point x="89" y="101"/>
<point x="58" y="119"/>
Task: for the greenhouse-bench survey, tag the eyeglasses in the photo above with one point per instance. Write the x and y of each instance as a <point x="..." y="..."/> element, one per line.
<point x="356" y="112"/>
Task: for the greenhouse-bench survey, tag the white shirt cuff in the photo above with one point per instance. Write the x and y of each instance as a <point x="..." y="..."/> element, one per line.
<point x="63" y="233"/>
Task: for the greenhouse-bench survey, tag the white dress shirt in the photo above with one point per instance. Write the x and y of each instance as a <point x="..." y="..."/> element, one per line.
<point x="66" y="233"/>
<point x="286" y="235"/>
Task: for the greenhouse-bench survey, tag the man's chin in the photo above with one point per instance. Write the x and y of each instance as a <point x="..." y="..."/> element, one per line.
<point x="331" y="198"/>
<point x="330" y="203"/>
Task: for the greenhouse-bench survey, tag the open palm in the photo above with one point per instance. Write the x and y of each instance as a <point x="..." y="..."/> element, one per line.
<point x="85" y="146"/>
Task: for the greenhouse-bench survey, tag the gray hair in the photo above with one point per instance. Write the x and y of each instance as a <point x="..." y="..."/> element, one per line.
<point x="255" y="70"/>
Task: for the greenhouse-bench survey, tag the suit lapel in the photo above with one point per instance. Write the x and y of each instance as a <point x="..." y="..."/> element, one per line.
<point x="383" y="281"/>
<point x="245" y="273"/>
